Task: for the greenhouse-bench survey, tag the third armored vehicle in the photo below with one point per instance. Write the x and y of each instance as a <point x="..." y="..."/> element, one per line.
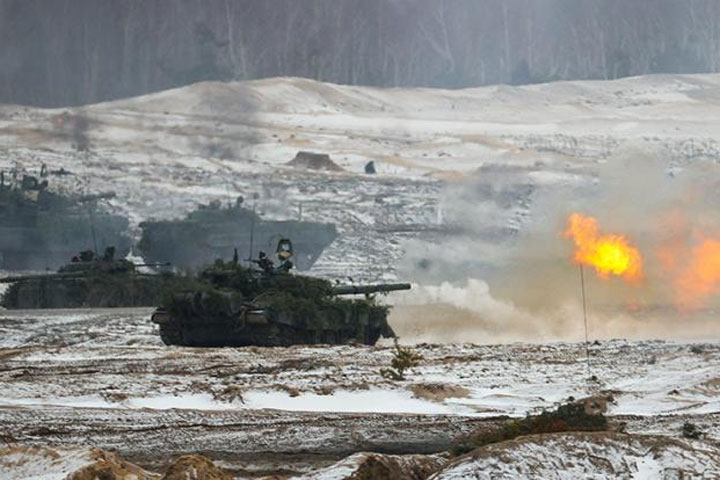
<point x="232" y="305"/>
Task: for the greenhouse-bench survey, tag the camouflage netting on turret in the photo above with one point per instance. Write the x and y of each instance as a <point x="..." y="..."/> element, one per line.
<point x="225" y="288"/>
<point x="249" y="282"/>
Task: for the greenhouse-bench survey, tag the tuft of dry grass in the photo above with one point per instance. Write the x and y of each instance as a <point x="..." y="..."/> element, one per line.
<point x="438" y="392"/>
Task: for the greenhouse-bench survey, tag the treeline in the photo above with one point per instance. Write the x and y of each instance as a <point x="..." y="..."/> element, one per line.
<point x="69" y="52"/>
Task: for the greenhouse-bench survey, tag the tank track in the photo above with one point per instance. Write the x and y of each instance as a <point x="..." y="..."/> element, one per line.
<point x="171" y="334"/>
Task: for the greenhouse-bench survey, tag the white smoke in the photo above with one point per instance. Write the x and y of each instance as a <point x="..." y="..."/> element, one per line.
<point x="467" y="312"/>
<point x="530" y="289"/>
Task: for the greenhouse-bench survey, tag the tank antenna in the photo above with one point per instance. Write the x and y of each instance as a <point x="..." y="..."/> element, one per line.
<point x="587" y="347"/>
<point x="92" y="227"/>
<point x="92" y="224"/>
<point x="227" y="190"/>
<point x="252" y="227"/>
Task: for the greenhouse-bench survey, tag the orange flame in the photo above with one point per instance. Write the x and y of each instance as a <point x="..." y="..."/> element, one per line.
<point x="608" y="254"/>
<point x="701" y="277"/>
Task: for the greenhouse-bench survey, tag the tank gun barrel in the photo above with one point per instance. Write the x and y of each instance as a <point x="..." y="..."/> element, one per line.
<point x="75" y="274"/>
<point x="158" y="264"/>
<point x="369" y="289"/>
<point x="39" y="276"/>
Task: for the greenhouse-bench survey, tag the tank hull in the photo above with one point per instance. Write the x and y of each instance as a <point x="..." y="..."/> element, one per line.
<point x="265" y="329"/>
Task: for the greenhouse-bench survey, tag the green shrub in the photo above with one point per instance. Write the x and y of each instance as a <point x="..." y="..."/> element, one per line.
<point x="403" y="359"/>
<point x="691" y="431"/>
<point x="570" y="417"/>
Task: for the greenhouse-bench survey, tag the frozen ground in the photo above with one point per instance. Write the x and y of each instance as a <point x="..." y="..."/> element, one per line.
<point x="103" y="379"/>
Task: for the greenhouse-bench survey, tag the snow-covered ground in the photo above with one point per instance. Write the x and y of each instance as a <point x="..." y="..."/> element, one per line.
<point x="644" y="377"/>
<point x="103" y="379"/>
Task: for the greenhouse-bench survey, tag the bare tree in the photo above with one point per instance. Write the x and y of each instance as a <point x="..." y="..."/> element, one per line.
<point x="69" y="52"/>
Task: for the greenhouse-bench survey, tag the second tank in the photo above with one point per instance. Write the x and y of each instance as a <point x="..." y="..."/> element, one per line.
<point x="212" y="230"/>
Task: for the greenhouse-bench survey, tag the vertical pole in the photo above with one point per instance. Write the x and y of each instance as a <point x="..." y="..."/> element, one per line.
<point x="252" y="230"/>
<point x="227" y="190"/>
<point x="92" y="228"/>
<point x="587" y="346"/>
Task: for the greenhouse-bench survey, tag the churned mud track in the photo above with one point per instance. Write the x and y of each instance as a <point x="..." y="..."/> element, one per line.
<point x="149" y="436"/>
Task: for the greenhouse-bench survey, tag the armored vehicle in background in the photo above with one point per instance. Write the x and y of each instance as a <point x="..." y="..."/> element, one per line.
<point x="229" y="304"/>
<point x="212" y="230"/>
<point x="40" y="229"/>
<point x="88" y="281"/>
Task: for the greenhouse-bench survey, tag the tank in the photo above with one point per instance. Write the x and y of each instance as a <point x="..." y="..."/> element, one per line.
<point x="40" y="229"/>
<point x="232" y="305"/>
<point x="213" y="230"/>
<point x="87" y="281"/>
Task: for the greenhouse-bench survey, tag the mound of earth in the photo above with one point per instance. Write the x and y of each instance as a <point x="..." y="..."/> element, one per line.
<point x="375" y="466"/>
<point x="194" y="467"/>
<point x="587" y="455"/>
<point x="45" y="463"/>
<point x="314" y="161"/>
<point x="68" y="464"/>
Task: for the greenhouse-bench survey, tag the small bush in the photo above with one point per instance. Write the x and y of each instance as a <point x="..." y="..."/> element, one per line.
<point x="570" y="417"/>
<point x="403" y="359"/>
<point x="691" y="431"/>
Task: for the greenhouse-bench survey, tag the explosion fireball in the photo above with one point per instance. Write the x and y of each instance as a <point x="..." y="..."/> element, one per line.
<point x="608" y="254"/>
<point x="701" y="277"/>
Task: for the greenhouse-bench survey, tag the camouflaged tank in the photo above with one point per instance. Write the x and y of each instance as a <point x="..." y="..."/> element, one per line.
<point x="229" y="304"/>
<point x="88" y="281"/>
<point x="41" y="229"/>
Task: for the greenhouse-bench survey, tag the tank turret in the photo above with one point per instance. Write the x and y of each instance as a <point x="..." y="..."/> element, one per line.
<point x="228" y="304"/>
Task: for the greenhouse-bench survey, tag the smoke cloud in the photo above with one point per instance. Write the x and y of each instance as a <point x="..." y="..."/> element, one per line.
<point x="530" y="288"/>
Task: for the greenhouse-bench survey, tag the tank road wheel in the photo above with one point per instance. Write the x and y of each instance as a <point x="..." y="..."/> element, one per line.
<point x="171" y="334"/>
